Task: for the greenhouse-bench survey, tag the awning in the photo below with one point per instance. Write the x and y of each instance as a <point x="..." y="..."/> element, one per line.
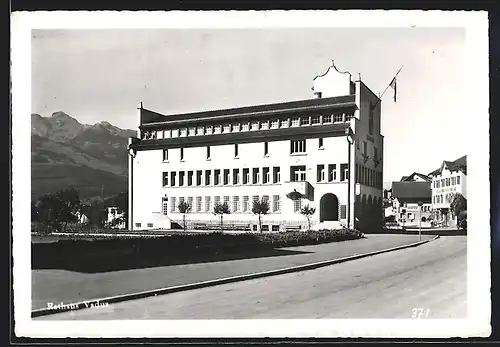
<point x="295" y="195"/>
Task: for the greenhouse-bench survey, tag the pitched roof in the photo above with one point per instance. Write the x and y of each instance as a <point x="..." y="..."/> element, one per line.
<point x="411" y="178"/>
<point x="412" y="191"/>
<point x="150" y="118"/>
<point x="458" y="165"/>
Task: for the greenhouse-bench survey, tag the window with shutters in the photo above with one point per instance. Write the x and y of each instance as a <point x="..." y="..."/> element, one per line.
<point x="173" y="206"/>
<point x="198" y="204"/>
<point x="245" y="203"/>
<point x="236" y="203"/>
<point x="297" y="205"/>
<point x="276" y="203"/>
<point x="208" y="204"/>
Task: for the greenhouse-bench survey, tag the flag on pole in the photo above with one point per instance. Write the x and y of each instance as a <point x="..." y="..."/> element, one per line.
<point x="393" y="86"/>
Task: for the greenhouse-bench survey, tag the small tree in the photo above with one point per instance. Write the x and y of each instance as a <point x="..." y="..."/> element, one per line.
<point x="70" y="204"/>
<point x="307" y="212"/>
<point x="49" y="210"/>
<point x="221" y="209"/>
<point x="260" y="208"/>
<point x="121" y="202"/>
<point x="184" y="208"/>
<point x="458" y="206"/>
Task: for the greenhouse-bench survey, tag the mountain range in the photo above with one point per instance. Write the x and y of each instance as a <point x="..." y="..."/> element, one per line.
<point x="66" y="153"/>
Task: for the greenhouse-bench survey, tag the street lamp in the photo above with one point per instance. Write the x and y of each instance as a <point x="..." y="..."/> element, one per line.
<point x="420" y="203"/>
<point x="350" y="140"/>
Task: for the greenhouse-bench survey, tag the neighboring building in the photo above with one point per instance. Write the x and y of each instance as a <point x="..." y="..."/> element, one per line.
<point x="387" y="202"/>
<point x="397" y="203"/>
<point x="82" y="218"/>
<point x="112" y="214"/>
<point x="449" y="179"/>
<point x="263" y="152"/>
<point x="416" y="177"/>
<point x="406" y="196"/>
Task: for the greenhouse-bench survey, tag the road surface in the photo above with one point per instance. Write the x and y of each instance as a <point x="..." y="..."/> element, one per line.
<point x="429" y="280"/>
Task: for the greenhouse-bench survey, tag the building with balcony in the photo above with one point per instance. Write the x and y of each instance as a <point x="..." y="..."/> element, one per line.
<point x="450" y="178"/>
<point x="325" y="152"/>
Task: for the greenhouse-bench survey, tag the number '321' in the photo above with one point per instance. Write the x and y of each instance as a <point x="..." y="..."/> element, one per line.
<point x="420" y="313"/>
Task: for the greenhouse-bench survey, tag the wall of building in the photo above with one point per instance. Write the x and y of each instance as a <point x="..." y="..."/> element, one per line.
<point x="441" y="194"/>
<point x="332" y="83"/>
<point x="374" y="140"/>
<point x="409" y="214"/>
<point x="149" y="167"/>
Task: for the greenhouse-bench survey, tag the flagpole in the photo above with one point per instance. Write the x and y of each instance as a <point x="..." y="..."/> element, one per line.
<point x="391" y="82"/>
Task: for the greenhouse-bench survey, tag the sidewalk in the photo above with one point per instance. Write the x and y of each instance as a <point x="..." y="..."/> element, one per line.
<point x="56" y="286"/>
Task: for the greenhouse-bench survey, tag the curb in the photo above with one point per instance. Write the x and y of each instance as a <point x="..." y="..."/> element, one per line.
<point x="198" y="285"/>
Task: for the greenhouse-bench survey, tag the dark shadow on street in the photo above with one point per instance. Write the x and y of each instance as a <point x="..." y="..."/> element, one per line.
<point x="141" y="261"/>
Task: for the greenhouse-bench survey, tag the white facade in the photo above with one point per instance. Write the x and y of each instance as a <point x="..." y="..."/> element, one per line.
<point x="262" y="152"/>
<point x="447" y="182"/>
<point x="112" y="214"/>
<point x="411" y="215"/>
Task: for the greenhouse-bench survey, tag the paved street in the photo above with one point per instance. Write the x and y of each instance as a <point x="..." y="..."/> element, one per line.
<point x="56" y="285"/>
<point x="429" y="277"/>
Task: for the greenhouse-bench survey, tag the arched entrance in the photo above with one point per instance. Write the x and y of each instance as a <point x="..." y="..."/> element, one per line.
<point x="329" y="208"/>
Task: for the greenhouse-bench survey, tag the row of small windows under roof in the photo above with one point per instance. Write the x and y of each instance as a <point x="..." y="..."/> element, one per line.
<point x="233" y="127"/>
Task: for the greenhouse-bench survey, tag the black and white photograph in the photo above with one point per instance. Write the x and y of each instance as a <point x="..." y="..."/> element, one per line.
<point x="251" y="174"/>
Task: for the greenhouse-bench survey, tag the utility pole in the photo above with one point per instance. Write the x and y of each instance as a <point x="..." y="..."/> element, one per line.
<point x="420" y="203"/>
<point x="102" y="192"/>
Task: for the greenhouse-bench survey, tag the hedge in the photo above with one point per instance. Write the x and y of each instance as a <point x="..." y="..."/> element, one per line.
<point x="179" y="245"/>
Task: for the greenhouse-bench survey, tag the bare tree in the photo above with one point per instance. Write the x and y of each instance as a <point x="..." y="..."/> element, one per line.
<point x="184" y="208"/>
<point x="221" y="210"/>
<point x="308" y="212"/>
<point x="260" y="208"/>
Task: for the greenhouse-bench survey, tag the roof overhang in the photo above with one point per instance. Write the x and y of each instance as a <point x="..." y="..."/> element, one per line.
<point x="152" y="120"/>
<point x="244" y="137"/>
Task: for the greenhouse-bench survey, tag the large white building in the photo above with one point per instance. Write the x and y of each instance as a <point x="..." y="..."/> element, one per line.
<point x="265" y="152"/>
<point x="449" y="179"/>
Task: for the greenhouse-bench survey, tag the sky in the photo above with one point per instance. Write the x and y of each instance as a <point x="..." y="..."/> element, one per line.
<point x="103" y="75"/>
